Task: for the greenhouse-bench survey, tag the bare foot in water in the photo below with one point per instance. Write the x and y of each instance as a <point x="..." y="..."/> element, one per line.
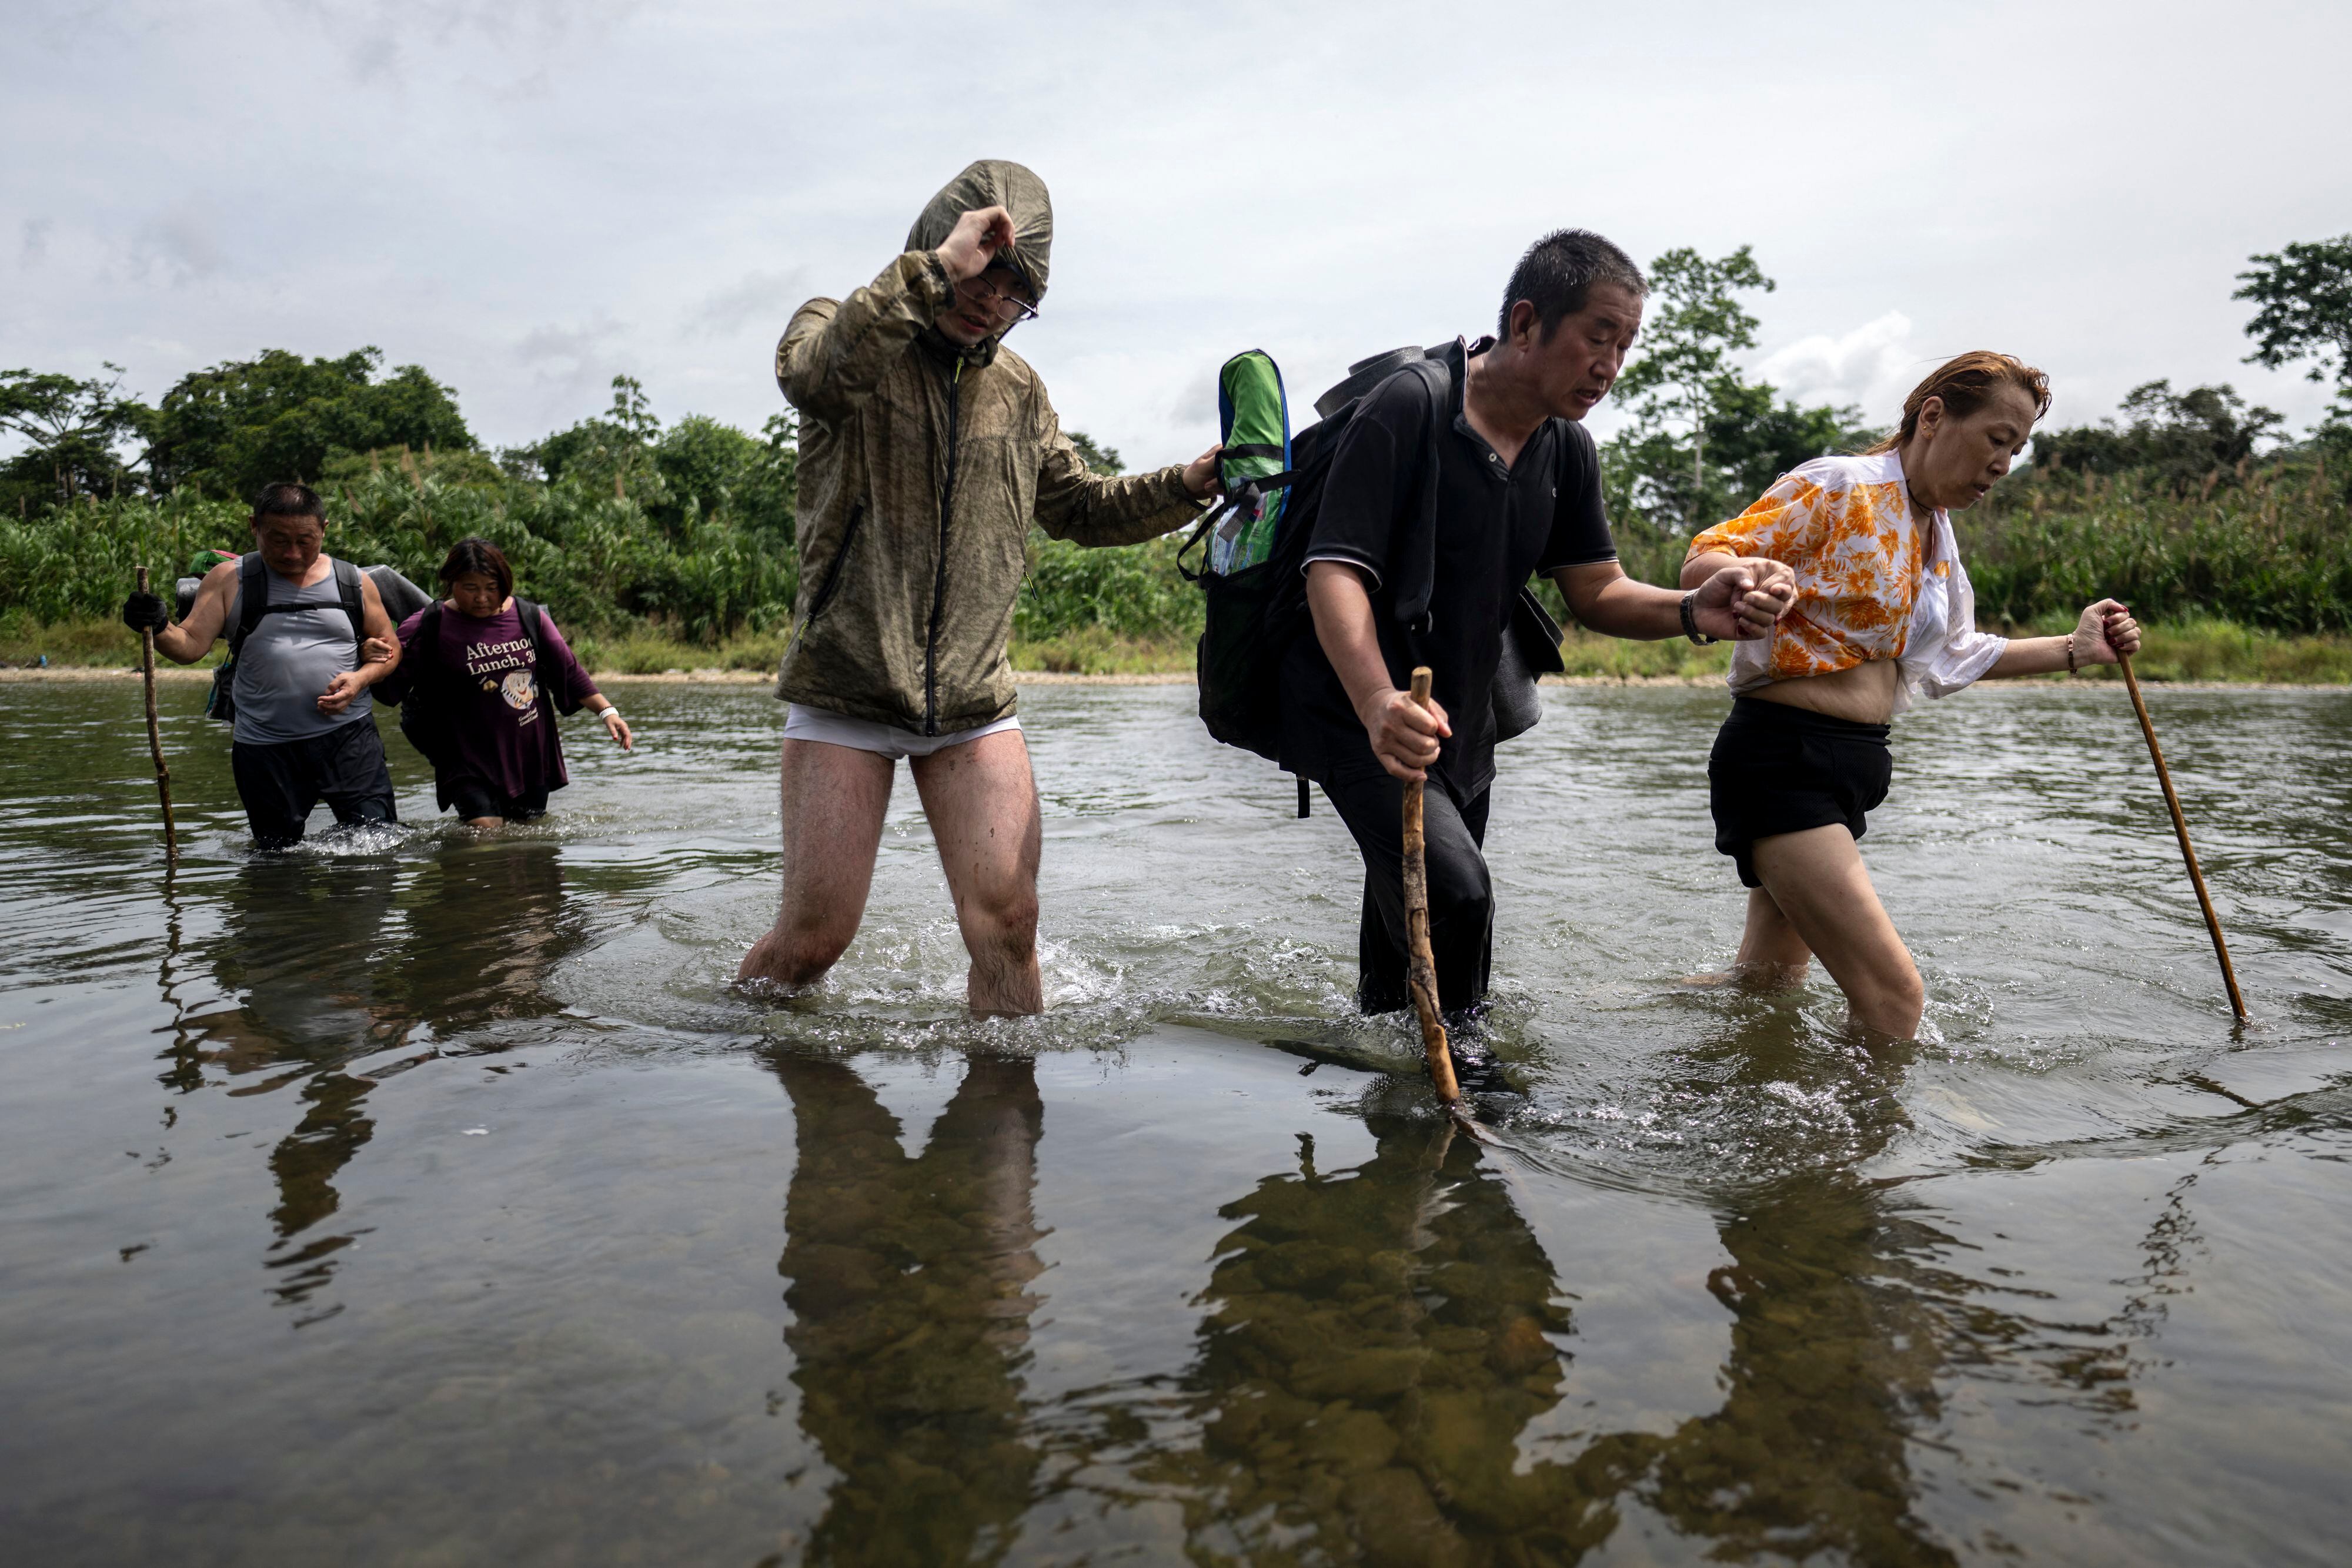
<point x="780" y="962"/>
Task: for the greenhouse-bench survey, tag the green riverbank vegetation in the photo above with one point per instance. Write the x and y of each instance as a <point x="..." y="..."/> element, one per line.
<point x="671" y="546"/>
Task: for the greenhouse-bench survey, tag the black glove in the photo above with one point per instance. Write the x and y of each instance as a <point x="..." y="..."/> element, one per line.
<point x="144" y="612"/>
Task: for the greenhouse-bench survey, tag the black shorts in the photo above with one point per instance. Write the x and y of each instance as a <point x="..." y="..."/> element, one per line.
<point x="279" y="784"/>
<point x="470" y="798"/>
<point x="1781" y="770"/>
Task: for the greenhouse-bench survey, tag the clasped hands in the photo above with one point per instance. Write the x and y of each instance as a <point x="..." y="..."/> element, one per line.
<point x="1743" y="601"/>
<point x="351" y="683"/>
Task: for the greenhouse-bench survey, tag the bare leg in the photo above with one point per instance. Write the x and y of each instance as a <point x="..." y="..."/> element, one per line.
<point x="834" y="797"/>
<point x="486" y="823"/>
<point x="1821" y="890"/>
<point x="1771" y="954"/>
<point x="982" y="803"/>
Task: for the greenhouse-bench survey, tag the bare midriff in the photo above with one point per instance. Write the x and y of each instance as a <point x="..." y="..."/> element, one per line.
<point x="1863" y="695"/>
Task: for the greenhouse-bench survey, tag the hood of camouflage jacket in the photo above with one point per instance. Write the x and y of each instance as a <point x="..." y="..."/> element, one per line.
<point x="990" y="182"/>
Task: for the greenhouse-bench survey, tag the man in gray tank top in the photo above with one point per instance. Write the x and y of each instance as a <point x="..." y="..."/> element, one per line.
<point x="305" y="725"/>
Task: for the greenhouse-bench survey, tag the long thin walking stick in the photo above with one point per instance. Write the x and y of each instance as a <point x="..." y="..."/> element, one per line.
<point x="2180" y="828"/>
<point x="155" y="736"/>
<point x="1421" y="965"/>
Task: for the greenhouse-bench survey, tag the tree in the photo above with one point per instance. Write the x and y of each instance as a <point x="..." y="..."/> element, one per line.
<point x="616" y="446"/>
<point x="2185" y="439"/>
<point x="1755" y="439"/>
<point x="243" y="424"/>
<point x="766" y="496"/>
<point x="74" y="432"/>
<point x="1694" y="325"/>
<point x="2302" y="297"/>
<point x="1703" y="437"/>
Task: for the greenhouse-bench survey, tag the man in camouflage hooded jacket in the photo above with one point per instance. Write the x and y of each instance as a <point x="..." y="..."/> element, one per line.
<point x="926" y="448"/>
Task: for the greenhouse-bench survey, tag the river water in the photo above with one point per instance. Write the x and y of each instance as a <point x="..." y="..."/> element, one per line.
<point x="416" y="1199"/>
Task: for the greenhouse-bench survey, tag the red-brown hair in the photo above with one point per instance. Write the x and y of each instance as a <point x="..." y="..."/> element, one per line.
<point x="1966" y="384"/>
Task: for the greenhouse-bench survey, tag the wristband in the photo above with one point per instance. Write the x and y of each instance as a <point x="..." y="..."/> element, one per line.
<point x="608" y="711"/>
<point x="2070" y="653"/>
<point x="1690" y="620"/>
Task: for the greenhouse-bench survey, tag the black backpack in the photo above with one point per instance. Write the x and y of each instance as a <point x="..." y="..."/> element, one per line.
<point x="1254" y="614"/>
<point x="424" y="721"/>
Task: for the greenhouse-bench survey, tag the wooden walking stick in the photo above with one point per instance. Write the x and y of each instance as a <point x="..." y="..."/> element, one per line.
<point x="2180" y="828"/>
<point x="155" y="737"/>
<point x="1421" y="965"/>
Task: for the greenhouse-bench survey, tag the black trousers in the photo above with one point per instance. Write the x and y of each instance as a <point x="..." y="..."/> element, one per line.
<point x="1461" y="895"/>
<point x="471" y="797"/>
<point x="280" y="784"/>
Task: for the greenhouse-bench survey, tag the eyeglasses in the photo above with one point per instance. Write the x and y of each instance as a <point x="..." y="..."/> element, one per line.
<point x="991" y="295"/>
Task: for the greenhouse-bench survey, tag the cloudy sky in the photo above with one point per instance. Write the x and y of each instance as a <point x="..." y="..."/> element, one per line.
<point x="529" y="197"/>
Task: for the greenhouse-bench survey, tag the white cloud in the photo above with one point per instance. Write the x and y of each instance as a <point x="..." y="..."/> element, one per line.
<point x="766" y="299"/>
<point x="526" y="198"/>
<point x="1874" y="365"/>
<point x="178" y="242"/>
<point x="574" y="364"/>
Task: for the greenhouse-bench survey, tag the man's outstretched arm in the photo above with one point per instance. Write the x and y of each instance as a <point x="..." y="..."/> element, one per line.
<point x="1076" y="503"/>
<point x="1741" y="601"/>
<point x="193" y="638"/>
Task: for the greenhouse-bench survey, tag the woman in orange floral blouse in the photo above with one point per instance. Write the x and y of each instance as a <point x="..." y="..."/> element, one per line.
<point x="1883" y="615"/>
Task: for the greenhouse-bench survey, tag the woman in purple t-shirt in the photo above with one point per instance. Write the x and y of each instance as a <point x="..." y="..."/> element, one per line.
<point x="482" y="677"/>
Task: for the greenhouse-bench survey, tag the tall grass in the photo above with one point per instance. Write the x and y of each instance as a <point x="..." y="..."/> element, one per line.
<point x="600" y="560"/>
<point x="2249" y="567"/>
<point x="2272" y="551"/>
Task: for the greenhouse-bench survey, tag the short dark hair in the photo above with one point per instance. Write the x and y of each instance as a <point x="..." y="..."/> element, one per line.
<point x="1557" y="275"/>
<point x="287" y="499"/>
<point x="478" y="554"/>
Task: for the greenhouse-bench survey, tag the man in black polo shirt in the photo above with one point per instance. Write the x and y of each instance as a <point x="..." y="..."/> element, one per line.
<point x="1519" y="491"/>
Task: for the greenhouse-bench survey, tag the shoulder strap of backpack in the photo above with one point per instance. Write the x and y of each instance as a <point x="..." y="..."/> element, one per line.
<point x="1415" y="589"/>
<point x="534" y="626"/>
<point x="426" y="647"/>
<point x="252" y="599"/>
<point x="347" y="589"/>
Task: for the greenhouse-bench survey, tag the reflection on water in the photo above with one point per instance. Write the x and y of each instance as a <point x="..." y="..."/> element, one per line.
<point x="331" y="962"/>
<point x="301" y="953"/>
<point x="909" y="1294"/>
<point x="1374" y="1341"/>
<point x="482" y="1120"/>
<point x="1831" y="1373"/>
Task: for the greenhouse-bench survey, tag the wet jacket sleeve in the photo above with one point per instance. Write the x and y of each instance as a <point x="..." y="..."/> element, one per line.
<point x="835" y="353"/>
<point x="1088" y="508"/>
